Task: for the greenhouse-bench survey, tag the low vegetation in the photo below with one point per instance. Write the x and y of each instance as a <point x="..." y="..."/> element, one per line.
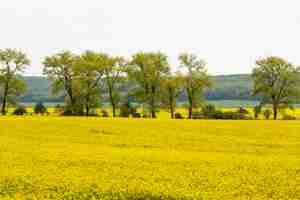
<point x="92" y="158"/>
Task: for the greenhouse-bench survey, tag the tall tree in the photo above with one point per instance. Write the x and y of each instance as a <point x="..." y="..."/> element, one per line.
<point x="195" y="81"/>
<point x="59" y="68"/>
<point x="277" y="82"/>
<point x="147" y="69"/>
<point x="89" y="70"/>
<point x="171" y="88"/>
<point x="113" y="76"/>
<point x="12" y="63"/>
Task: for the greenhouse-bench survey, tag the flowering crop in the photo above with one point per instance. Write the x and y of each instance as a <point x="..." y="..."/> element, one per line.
<point x="94" y="158"/>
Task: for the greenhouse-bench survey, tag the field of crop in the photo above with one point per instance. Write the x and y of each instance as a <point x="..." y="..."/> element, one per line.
<point x="94" y="158"/>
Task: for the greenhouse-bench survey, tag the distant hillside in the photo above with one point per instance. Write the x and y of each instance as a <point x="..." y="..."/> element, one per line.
<point x="225" y="87"/>
<point x="38" y="89"/>
<point x="231" y="87"/>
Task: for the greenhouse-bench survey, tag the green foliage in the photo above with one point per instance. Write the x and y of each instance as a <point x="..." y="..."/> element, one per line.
<point x="12" y="63"/>
<point x="89" y="70"/>
<point x="197" y="115"/>
<point x="277" y="82"/>
<point x="114" y="76"/>
<point x="59" y="68"/>
<point x="21" y="110"/>
<point x="257" y="110"/>
<point x="126" y="109"/>
<point x="195" y="80"/>
<point x="267" y="113"/>
<point x="178" y="116"/>
<point x="209" y="111"/>
<point x="147" y="69"/>
<point x="136" y="115"/>
<point x="40" y="108"/>
<point x="171" y="87"/>
<point x="104" y="113"/>
<point x="225" y="87"/>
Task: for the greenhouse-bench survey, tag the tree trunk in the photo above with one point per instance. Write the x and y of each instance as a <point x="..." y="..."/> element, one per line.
<point x="4" y="101"/>
<point x="171" y="102"/>
<point x="112" y="101"/>
<point x="172" y="112"/>
<point x="113" y="109"/>
<point x="153" y="114"/>
<point x="190" y="99"/>
<point x="190" y="112"/>
<point x="275" y="111"/>
<point x="87" y="108"/>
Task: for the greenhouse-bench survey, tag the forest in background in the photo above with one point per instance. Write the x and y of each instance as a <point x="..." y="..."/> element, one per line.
<point x="225" y="87"/>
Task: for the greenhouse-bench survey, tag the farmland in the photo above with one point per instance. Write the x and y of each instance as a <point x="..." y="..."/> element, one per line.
<point x="93" y="158"/>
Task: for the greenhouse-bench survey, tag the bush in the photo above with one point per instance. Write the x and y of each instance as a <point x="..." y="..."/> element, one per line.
<point x="230" y="115"/>
<point x="267" y="113"/>
<point x="288" y="117"/>
<point x="197" y="115"/>
<point x="257" y="111"/>
<point x="146" y="115"/>
<point x="209" y="111"/>
<point x="58" y="109"/>
<point x="104" y="113"/>
<point x="126" y="110"/>
<point x="242" y="110"/>
<point x="136" y="115"/>
<point x="93" y="113"/>
<point x="178" y="116"/>
<point x="21" y="110"/>
<point x="39" y="108"/>
<point x="68" y="111"/>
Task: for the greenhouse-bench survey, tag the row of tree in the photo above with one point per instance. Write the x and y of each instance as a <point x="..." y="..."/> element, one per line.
<point x="86" y="78"/>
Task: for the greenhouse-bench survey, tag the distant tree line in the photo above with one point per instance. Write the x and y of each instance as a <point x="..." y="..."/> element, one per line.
<point x="85" y="79"/>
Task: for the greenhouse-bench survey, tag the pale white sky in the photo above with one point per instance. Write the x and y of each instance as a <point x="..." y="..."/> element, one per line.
<point x="228" y="34"/>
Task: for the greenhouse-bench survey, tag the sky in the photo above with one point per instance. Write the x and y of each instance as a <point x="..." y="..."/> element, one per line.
<point x="229" y="34"/>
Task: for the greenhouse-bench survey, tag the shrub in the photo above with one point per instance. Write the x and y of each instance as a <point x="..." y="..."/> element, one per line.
<point x="21" y="110"/>
<point x="178" y="116"/>
<point x="242" y="110"/>
<point x="126" y="110"/>
<point x="267" y="113"/>
<point x="104" y="113"/>
<point x="77" y="111"/>
<point x="209" y="111"/>
<point x="93" y="113"/>
<point x="58" y="109"/>
<point x="136" y="115"/>
<point x="230" y="115"/>
<point x="197" y="115"/>
<point x="39" y="108"/>
<point x="257" y="111"/>
<point x="146" y="115"/>
<point x="288" y="117"/>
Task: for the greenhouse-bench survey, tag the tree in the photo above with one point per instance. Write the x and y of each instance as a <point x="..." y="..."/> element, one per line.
<point x="276" y="81"/>
<point x="171" y="88"/>
<point x="113" y="76"/>
<point x="195" y="80"/>
<point x="147" y="69"/>
<point x="89" y="71"/>
<point x="12" y="63"/>
<point x="60" y="70"/>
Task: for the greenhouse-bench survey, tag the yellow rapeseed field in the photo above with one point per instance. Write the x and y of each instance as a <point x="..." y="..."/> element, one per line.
<point x="93" y="158"/>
